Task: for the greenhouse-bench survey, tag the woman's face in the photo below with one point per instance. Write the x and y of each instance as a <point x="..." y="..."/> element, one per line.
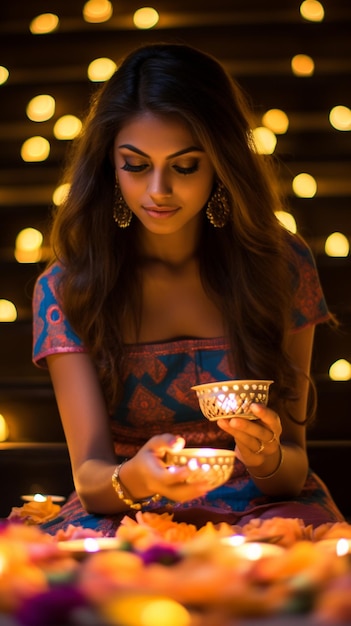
<point x="165" y="176"/>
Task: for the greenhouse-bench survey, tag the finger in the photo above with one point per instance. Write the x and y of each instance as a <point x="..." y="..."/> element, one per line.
<point x="159" y="444"/>
<point x="268" y="418"/>
<point x="185" y="491"/>
<point x="261" y="447"/>
<point x="272" y="439"/>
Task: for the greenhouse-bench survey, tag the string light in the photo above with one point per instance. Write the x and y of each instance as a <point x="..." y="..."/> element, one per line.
<point x="4" y="74"/>
<point x="8" y="311"/>
<point x="265" y="140"/>
<point x="340" y="370"/>
<point x="67" y="127"/>
<point x="97" y="11"/>
<point x="41" y="108"/>
<point x="28" y="246"/>
<point x="302" y="65"/>
<point x="60" y="193"/>
<point x="340" y="117"/>
<point x="4" y="429"/>
<point x="44" y="23"/>
<point x="35" y="149"/>
<point x="337" y="245"/>
<point x="101" y="69"/>
<point x="287" y="219"/>
<point x="304" y="185"/>
<point x="144" y="18"/>
<point x="312" y="10"/>
<point x="276" y="120"/>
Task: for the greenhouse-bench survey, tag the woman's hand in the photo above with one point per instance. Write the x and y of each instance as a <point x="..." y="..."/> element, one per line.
<point x="257" y="441"/>
<point x="146" y="473"/>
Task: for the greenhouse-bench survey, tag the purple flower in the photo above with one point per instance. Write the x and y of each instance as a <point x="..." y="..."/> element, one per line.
<point x="159" y="553"/>
<point x="51" y="608"/>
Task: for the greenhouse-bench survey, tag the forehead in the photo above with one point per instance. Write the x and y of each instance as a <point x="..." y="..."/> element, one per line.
<point x="149" y="131"/>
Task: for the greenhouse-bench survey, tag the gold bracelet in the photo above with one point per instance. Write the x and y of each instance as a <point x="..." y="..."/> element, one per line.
<point x="133" y="504"/>
<point x="272" y="473"/>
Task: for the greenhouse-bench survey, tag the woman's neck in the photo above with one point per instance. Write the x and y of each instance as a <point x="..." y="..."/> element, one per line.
<point x="174" y="249"/>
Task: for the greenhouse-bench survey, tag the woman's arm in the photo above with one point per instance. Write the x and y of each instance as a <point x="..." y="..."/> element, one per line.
<point x="86" y="425"/>
<point x="283" y="457"/>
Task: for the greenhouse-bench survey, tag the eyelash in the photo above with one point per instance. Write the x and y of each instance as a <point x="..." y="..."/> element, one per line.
<point x="180" y="170"/>
<point x="133" y="168"/>
<point x="186" y="170"/>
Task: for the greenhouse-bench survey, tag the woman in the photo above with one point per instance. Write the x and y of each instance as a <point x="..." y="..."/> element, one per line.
<point x="171" y="269"/>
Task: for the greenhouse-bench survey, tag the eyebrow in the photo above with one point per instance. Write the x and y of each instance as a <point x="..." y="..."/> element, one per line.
<point x="171" y="156"/>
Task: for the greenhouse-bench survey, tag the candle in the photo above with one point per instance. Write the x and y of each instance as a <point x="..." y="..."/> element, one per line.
<point x="82" y="547"/>
<point x="341" y="546"/>
<point x="252" y="550"/>
<point x="234" y="540"/>
<point x="210" y="464"/>
<point x="38" y="497"/>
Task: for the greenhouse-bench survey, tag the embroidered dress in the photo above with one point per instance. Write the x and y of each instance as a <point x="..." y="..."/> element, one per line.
<point x="157" y="398"/>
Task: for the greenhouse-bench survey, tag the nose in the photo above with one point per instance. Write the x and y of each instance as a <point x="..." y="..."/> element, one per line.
<point x="159" y="184"/>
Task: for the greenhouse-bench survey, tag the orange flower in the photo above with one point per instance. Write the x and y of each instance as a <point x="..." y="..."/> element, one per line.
<point x="76" y="532"/>
<point x="288" y="530"/>
<point x="36" y="512"/>
<point x="160" y="526"/>
<point x="150" y="527"/>
<point x="337" y="530"/>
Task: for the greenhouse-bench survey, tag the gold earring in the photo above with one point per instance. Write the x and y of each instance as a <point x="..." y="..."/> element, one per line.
<point x="121" y="211"/>
<point x="218" y="206"/>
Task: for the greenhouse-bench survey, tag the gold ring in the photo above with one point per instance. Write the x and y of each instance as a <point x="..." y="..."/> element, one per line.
<point x="261" y="448"/>
<point x="272" y="439"/>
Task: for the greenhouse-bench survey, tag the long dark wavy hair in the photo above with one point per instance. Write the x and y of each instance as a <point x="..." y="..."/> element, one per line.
<point x="245" y="265"/>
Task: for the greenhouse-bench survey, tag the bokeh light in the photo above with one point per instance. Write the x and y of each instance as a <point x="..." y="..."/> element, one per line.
<point x="4" y="74"/>
<point x="312" y="10"/>
<point x="340" y="370"/>
<point x="340" y="117"/>
<point x="8" y="311"/>
<point x="60" y="194"/>
<point x="101" y="69"/>
<point x="28" y="245"/>
<point x="302" y="65"/>
<point x="304" y="185"/>
<point x="276" y="120"/>
<point x="144" y="18"/>
<point x="337" y="245"/>
<point x="44" y="23"/>
<point x="41" y="108"/>
<point x="287" y="219"/>
<point x="265" y="140"/>
<point x="97" y="11"/>
<point x="4" y="429"/>
<point x="67" y="127"/>
<point x="35" y="149"/>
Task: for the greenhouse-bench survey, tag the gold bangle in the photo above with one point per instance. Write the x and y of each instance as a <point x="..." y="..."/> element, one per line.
<point x="272" y="473"/>
<point x="133" y="504"/>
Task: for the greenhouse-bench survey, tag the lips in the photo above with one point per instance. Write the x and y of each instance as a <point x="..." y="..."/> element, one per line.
<point x="160" y="212"/>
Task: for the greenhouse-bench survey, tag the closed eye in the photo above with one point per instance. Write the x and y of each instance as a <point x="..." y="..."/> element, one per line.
<point x="186" y="170"/>
<point x="128" y="167"/>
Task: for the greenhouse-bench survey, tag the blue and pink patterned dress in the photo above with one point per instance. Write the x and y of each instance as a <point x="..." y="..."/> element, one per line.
<point x="158" y="398"/>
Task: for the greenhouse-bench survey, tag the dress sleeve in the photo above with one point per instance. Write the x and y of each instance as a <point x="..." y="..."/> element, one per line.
<point x="52" y="333"/>
<point x="309" y="304"/>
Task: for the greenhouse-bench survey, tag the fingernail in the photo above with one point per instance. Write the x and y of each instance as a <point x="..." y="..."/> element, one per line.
<point x="178" y="444"/>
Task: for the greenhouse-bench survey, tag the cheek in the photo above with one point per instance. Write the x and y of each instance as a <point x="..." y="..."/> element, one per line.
<point x="129" y="188"/>
<point x="204" y="190"/>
